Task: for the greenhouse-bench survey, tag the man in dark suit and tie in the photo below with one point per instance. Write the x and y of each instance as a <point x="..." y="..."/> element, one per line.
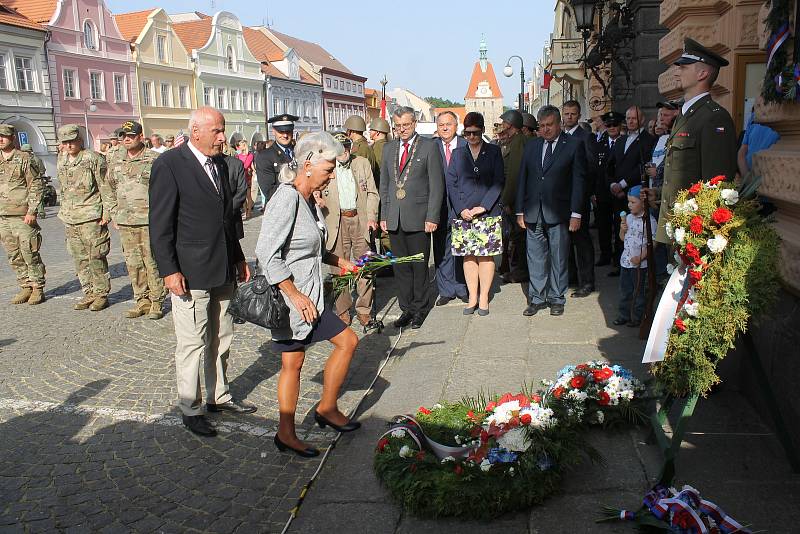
<point x="411" y="188"/>
<point x="194" y="242"/>
<point x="549" y="202"/>
<point x="625" y="168"/>
<point x="270" y="160"/>
<point x="449" y="270"/>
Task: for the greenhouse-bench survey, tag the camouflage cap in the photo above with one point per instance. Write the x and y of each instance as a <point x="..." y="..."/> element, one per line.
<point x="170" y="137"/>
<point x="69" y="132"/>
<point x="131" y="127"/>
<point x="7" y="130"/>
<point x="26" y="147"/>
<point x="342" y="138"/>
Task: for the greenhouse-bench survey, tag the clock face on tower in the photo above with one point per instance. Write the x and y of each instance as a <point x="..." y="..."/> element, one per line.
<point x="483" y="90"/>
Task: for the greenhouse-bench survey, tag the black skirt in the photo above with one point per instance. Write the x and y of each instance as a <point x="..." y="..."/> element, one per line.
<point x="328" y="326"/>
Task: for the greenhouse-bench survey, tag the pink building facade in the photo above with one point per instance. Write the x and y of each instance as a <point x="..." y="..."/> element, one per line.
<point x="92" y="75"/>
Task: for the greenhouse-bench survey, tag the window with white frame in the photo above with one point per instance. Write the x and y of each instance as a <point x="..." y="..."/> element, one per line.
<point x="348" y="86"/>
<point x="234" y="99"/>
<point x="120" y="88"/>
<point x="23" y="66"/>
<point x="3" y="79"/>
<point x="221" y="100"/>
<point x="245" y="100"/>
<point x="360" y="88"/>
<point x="96" y="85"/>
<point x="165" y="92"/>
<point x="147" y="93"/>
<point x="328" y="82"/>
<point x="276" y="105"/>
<point x="161" y="48"/>
<point x="256" y="101"/>
<point x="231" y="59"/>
<point x="286" y="108"/>
<point x="335" y="84"/>
<point x="183" y="96"/>
<point x="70" y="87"/>
<point x="208" y="96"/>
<point x="89" y="35"/>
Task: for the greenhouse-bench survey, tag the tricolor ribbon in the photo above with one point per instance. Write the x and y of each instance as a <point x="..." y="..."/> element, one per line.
<point x="776" y="40"/>
<point x="688" y="513"/>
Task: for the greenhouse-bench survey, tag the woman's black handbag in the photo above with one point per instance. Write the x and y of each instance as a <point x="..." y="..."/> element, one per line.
<point x="258" y="302"/>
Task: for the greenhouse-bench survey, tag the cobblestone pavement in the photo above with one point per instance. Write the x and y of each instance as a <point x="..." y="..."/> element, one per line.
<point x="90" y="437"/>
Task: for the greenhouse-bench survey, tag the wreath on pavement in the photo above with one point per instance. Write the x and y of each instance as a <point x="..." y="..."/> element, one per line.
<point x="729" y="254"/>
<point x="484" y="456"/>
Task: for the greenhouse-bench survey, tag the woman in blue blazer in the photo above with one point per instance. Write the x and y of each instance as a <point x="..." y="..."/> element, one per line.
<point x="475" y="179"/>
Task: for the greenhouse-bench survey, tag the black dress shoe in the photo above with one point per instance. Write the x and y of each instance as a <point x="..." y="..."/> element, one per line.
<point x="556" y="309"/>
<point x="441" y="301"/>
<point x="308" y="452"/>
<point x="322" y="422"/>
<point x="404" y="320"/>
<point x="584" y="291"/>
<point x="613" y="273"/>
<point x="416" y="322"/>
<point x="233" y="405"/>
<point x="199" y="425"/>
<point x="533" y="309"/>
<point x="619" y="321"/>
<point x="603" y="261"/>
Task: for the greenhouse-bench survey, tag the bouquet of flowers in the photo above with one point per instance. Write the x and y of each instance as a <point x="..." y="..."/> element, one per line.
<point x="366" y="266"/>
<point x="598" y="392"/>
<point x="730" y="256"/>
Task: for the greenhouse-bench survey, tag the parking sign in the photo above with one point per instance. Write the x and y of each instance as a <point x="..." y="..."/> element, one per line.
<point x="23" y="138"/>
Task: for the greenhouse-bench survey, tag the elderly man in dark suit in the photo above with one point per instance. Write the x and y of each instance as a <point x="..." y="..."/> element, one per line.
<point x="194" y="241"/>
<point x="449" y="270"/>
<point x="411" y="188"/>
<point x="549" y="202"/>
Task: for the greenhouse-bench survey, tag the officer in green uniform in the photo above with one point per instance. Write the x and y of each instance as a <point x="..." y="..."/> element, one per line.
<point x="270" y="160"/>
<point x="129" y="178"/>
<point x="86" y="207"/>
<point x="21" y="190"/>
<point x="513" y="146"/>
<point x="702" y="143"/>
<point x="355" y="125"/>
<point x="378" y="132"/>
<point x="38" y="167"/>
<point x="116" y="150"/>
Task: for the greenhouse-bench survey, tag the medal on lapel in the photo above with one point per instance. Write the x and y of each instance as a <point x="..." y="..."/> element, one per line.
<point x="400" y="181"/>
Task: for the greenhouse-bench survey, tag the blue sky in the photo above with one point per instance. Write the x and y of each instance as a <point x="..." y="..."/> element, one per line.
<point x="420" y="45"/>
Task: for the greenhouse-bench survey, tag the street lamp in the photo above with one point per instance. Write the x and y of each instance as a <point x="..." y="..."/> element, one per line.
<point x="88" y="105"/>
<point x="508" y="71"/>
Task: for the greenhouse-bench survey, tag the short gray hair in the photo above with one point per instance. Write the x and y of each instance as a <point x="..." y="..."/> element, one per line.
<point x="314" y="147"/>
<point x="404" y="110"/>
<point x="448" y="112"/>
<point x="548" y="111"/>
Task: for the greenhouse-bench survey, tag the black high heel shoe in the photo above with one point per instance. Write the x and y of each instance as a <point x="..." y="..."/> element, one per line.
<point x="322" y="422"/>
<point x="308" y="452"/>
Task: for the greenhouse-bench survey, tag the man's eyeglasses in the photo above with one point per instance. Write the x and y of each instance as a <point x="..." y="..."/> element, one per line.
<point x="470" y="133"/>
<point x="405" y="126"/>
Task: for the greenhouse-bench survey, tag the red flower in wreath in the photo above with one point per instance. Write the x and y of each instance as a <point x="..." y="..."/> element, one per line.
<point x="524" y="401"/>
<point x="458" y="469"/>
<point x="695" y="276"/>
<point x="601" y="375"/>
<point x="680" y="325"/>
<point x="342" y="271"/>
<point x="717" y="180"/>
<point x="722" y="215"/>
<point x="603" y="399"/>
<point x="382" y="444"/>
<point x="508" y="397"/>
<point x="693" y="253"/>
<point x="536" y="398"/>
<point x="424" y="410"/>
<point x="470" y="415"/>
<point x="420" y="455"/>
<point x="696" y="225"/>
<point x="558" y="392"/>
<point x="581" y="366"/>
<point x="577" y="382"/>
<point x="526" y="419"/>
<point x="491" y="406"/>
<point x="695" y="188"/>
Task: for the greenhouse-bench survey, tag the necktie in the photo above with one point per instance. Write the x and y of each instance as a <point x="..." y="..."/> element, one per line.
<point x="447" y="153"/>
<point x="214" y="173"/>
<point x="548" y="154"/>
<point x="405" y="157"/>
<point x="288" y="152"/>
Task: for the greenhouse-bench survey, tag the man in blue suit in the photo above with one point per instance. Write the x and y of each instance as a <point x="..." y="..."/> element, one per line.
<point x="549" y="202"/>
<point x="449" y="270"/>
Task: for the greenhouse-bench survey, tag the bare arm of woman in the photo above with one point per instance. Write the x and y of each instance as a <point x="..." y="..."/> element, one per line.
<point x="303" y="304"/>
<point x="329" y="258"/>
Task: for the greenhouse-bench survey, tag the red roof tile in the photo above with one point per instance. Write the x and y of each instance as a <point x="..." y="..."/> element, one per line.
<point x="312" y="52"/>
<point x="130" y="24"/>
<point x="261" y="46"/>
<point x="12" y="18"/>
<point x="36" y="10"/>
<point x="193" y="34"/>
<point x="479" y="76"/>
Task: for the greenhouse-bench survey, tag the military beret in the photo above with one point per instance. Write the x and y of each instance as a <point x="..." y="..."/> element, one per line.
<point x="694" y="52"/>
<point x="7" y="129"/>
<point x="283" y="122"/>
<point x="169" y="138"/>
<point x="69" y="132"/>
<point x="131" y="127"/>
<point x="613" y="118"/>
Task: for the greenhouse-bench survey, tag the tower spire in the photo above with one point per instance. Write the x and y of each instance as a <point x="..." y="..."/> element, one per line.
<point x="484" y="60"/>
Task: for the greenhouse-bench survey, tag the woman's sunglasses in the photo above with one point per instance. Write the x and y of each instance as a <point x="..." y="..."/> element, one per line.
<point x="469" y="133"/>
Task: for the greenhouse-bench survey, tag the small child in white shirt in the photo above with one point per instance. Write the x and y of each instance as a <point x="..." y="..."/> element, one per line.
<point x="633" y="263"/>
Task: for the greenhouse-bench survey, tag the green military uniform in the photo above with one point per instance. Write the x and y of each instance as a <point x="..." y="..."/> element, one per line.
<point x="37" y="165"/>
<point x="21" y="190"/>
<point x="378" y="125"/>
<point x="117" y="151"/>
<point x="129" y="178"/>
<point x="702" y="143"/>
<point x="361" y="148"/>
<point x="85" y="201"/>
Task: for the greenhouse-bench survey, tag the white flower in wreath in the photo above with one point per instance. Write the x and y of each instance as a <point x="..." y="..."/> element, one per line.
<point x="398" y="433"/>
<point x="690" y="206"/>
<point x="485" y="465"/>
<point x="717" y="244"/>
<point x="669" y="230"/>
<point x="577" y="394"/>
<point x="511" y="471"/>
<point x="678" y="208"/>
<point x="729" y="196"/>
<point x="598" y="417"/>
<point x="692" y="308"/>
<point x="515" y="440"/>
<point x="448" y="459"/>
<point x="437" y="406"/>
<point x="406" y="452"/>
<point x="680" y="235"/>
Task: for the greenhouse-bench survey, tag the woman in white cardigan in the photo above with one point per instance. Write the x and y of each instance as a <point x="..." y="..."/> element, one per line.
<point x="291" y="250"/>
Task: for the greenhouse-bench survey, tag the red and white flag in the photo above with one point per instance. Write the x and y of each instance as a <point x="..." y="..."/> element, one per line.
<point x="179" y="139"/>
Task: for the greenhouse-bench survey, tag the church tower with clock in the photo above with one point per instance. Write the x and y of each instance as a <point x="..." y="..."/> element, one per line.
<point x="483" y="94"/>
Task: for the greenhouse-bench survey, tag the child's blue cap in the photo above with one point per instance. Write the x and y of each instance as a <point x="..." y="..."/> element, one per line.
<point x="635" y="191"/>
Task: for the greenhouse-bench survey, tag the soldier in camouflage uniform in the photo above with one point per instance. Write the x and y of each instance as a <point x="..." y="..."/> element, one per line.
<point x="37" y="165"/>
<point x="85" y="210"/>
<point x="116" y="150"/>
<point x="356" y="126"/>
<point x="129" y="178"/>
<point x="20" y="195"/>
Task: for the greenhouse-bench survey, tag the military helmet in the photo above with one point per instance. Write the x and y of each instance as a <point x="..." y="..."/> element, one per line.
<point x="512" y="117"/>
<point x="529" y="121"/>
<point x="355" y="123"/>
<point x="343" y="139"/>
<point x="380" y="125"/>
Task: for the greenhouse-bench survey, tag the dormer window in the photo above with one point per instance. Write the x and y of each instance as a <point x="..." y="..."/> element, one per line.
<point x="230" y="59"/>
<point x="89" y="36"/>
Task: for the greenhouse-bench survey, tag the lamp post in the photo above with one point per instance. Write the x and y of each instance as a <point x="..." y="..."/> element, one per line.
<point x="508" y="71"/>
<point x="584" y="21"/>
<point x="88" y="105"/>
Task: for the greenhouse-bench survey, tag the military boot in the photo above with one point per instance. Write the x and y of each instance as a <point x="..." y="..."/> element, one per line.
<point x="84" y="303"/>
<point x="23" y="296"/>
<point x="37" y="296"/>
<point x="141" y="308"/>
<point x="156" y="311"/>
<point x="99" y="303"/>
